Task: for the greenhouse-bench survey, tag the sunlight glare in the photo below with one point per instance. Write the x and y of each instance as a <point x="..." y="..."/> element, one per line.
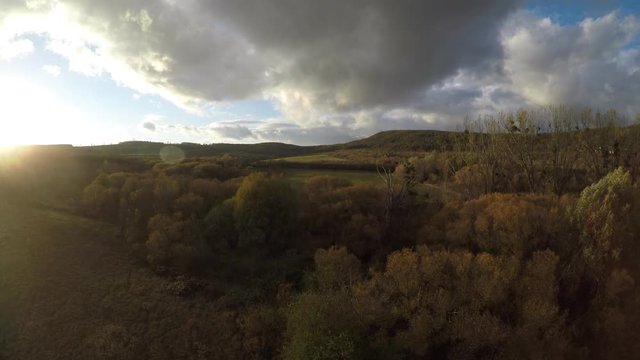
<point x="31" y="114"/>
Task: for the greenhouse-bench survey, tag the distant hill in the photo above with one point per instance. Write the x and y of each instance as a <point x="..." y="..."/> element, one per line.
<point x="152" y="149"/>
<point x="395" y="140"/>
<point x="398" y="141"/>
<point x="402" y="140"/>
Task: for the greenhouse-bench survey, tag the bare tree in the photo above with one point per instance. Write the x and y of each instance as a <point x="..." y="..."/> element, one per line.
<point x="398" y="182"/>
<point x="562" y="160"/>
<point x="598" y="142"/>
<point x="521" y="133"/>
<point x="631" y="149"/>
<point x="482" y="149"/>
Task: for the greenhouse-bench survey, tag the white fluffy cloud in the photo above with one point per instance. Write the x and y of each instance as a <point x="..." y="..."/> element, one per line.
<point x="14" y="48"/>
<point x="590" y="63"/>
<point x="52" y="70"/>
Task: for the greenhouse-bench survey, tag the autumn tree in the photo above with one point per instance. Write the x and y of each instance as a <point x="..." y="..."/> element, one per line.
<point x="190" y="205"/>
<point x="166" y="190"/>
<point x="321" y="198"/>
<point x="176" y="242"/>
<point x="335" y="269"/>
<point x="542" y="330"/>
<point x="339" y="213"/>
<point x="507" y="224"/>
<point x="136" y="208"/>
<point x="471" y="181"/>
<point x="459" y="305"/>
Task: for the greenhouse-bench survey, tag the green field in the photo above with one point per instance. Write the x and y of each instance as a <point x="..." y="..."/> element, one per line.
<point x="299" y="176"/>
<point x="308" y="159"/>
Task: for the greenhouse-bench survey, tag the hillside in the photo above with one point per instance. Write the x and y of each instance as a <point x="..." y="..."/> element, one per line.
<point x="152" y="149"/>
<point x="398" y="140"/>
<point x="346" y="155"/>
<point x="362" y="154"/>
<point x="402" y="140"/>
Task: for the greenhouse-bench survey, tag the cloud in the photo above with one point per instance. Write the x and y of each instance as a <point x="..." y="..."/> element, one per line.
<point x="156" y="47"/>
<point x="335" y="69"/>
<point x="14" y="48"/>
<point x="226" y="131"/>
<point x="589" y="63"/>
<point x="351" y="54"/>
<point x="148" y="125"/>
<point x="52" y="70"/>
<point x="339" y="54"/>
<point x="230" y="131"/>
<point x="274" y="131"/>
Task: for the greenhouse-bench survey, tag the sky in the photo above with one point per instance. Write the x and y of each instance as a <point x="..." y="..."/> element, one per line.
<point x="89" y="72"/>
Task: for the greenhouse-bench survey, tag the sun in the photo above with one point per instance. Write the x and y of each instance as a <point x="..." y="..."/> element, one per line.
<point x="31" y="114"/>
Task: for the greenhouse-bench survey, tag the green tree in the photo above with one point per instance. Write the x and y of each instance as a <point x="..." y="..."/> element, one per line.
<point x="265" y="210"/>
<point x="101" y="198"/>
<point x="602" y="276"/>
<point x="322" y="326"/>
<point x="220" y="225"/>
<point x="607" y="214"/>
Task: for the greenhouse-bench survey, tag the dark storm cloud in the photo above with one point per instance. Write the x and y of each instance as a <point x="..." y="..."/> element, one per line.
<point x="340" y="54"/>
<point x="148" y="125"/>
<point x="362" y="53"/>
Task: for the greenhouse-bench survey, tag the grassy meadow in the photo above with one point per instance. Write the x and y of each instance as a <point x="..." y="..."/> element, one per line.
<point x="298" y="177"/>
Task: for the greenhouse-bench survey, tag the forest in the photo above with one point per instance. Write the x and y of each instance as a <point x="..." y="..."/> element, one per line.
<point x="515" y="237"/>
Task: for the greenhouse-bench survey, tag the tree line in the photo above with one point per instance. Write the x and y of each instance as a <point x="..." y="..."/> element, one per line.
<point x="519" y="240"/>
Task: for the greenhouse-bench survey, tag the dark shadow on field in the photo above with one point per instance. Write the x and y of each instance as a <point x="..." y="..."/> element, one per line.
<point x="68" y="290"/>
